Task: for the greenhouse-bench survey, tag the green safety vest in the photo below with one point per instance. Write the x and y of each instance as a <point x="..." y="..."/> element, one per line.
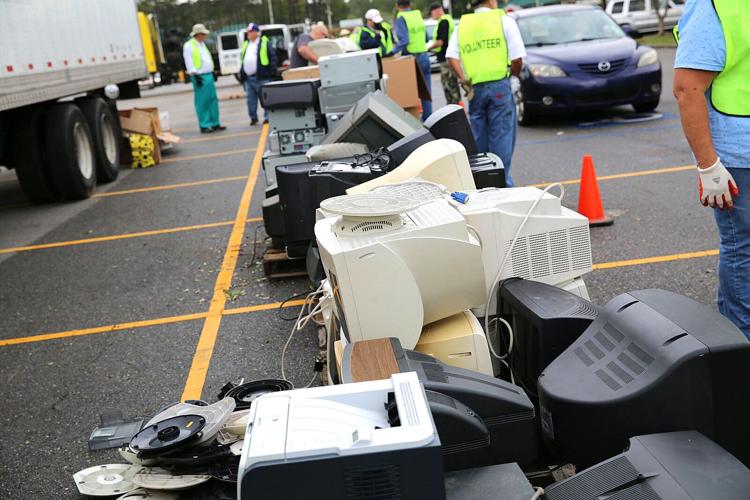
<point x="730" y="90"/>
<point x="451" y="27"/>
<point x="415" y="25"/>
<point x="356" y="37"/>
<point x="387" y="37"/>
<point x="197" y="60"/>
<point x="483" y="48"/>
<point x="264" y="61"/>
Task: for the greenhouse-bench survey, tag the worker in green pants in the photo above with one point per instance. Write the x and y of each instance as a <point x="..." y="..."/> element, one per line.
<point x="200" y="67"/>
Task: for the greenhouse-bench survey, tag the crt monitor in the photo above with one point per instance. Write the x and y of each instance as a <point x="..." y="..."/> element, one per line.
<point x="450" y="122"/>
<point x="669" y="466"/>
<point x="443" y="161"/>
<point x="652" y="361"/>
<point x="396" y="265"/>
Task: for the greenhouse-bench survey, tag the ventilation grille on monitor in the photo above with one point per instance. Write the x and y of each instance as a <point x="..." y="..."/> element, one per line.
<point x="408" y="409"/>
<point x="357" y="226"/>
<point x="420" y="191"/>
<point x="547" y="254"/>
<point x="477" y="444"/>
<point x="373" y="483"/>
<point x="617" y="364"/>
<point x="596" y="482"/>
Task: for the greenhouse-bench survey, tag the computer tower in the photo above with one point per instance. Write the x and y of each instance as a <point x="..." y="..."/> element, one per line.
<point x="668" y="466"/>
<point x="652" y="361"/>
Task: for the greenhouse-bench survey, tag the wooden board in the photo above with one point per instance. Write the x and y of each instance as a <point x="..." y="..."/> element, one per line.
<point x="277" y="265"/>
<point x="373" y="360"/>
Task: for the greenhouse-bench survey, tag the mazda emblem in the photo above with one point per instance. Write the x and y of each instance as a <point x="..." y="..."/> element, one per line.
<point x="604" y="66"/>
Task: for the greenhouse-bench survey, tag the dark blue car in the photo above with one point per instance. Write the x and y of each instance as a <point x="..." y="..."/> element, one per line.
<point x="580" y="59"/>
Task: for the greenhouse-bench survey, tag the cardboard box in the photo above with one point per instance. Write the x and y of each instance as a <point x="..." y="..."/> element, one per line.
<point x="160" y="124"/>
<point x="414" y="111"/>
<point x="406" y="84"/>
<point x="140" y="121"/>
<point x="301" y="73"/>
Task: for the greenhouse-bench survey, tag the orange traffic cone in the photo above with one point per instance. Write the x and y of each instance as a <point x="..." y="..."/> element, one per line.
<point x="589" y="200"/>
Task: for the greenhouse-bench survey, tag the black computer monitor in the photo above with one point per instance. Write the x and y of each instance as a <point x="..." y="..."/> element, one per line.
<point x="653" y="361"/>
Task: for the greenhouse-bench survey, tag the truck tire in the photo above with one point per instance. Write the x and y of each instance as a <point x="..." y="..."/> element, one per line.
<point x="71" y="152"/>
<point x="28" y="158"/>
<point x="105" y="131"/>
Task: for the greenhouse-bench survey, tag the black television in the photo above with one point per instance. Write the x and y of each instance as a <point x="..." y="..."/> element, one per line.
<point x="667" y="466"/>
<point x="545" y="321"/>
<point x="652" y="361"/>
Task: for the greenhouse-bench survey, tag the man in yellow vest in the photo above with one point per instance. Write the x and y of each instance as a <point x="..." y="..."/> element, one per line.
<point x="199" y="64"/>
<point x="258" y="67"/>
<point x="489" y="45"/>
<point x="712" y="87"/>
<point x="411" y="39"/>
<point x="370" y="36"/>
<point x="441" y="35"/>
<point x="388" y="37"/>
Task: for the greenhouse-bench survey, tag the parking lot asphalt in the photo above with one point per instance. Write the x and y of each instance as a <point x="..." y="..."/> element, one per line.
<point x="117" y="302"/>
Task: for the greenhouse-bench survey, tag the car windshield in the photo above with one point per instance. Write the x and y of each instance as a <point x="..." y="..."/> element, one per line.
<point x="567" y="27"/>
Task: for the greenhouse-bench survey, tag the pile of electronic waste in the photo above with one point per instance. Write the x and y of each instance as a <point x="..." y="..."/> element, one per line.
<point x="464" y="357"/>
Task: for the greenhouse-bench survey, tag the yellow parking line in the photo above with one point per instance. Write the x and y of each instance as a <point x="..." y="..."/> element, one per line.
<point x="657" y="259"/>
<point x="204" y="350"/>
<point x="102" y="329"/>
<point x="219" y="136"/>
<point x="143" y="323"/>
<point x="169" y="186"/>
<point x="294" y="303"/>
<point x="638" y="173"/>
<point x="208" y="155"/>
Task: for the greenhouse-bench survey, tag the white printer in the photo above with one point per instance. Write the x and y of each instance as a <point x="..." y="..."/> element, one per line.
<point x="354" y="441"/>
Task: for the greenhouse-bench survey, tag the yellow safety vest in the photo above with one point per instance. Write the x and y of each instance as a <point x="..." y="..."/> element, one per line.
<point x="415" y="25"/>
<point x="387" y="38"/>
<point x="197" y="59"/>
<point x="264" y="61"/>
<point x="451" y="27"/>
<point x="730" y="90"/>
<point x="483" y="48"/>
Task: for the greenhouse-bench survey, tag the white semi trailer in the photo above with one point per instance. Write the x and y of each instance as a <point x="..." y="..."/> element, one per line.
<point x="58" y="128"/>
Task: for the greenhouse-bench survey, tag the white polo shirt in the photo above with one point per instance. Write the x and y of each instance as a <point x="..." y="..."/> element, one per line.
<point x="516" y="48"/>
<point x="250" y="63"/>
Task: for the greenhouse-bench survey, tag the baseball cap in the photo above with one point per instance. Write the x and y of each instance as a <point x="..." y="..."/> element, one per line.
<point x="253" y="27"/>
<point x="199" y="29"/>
<point x="374" y="16"/>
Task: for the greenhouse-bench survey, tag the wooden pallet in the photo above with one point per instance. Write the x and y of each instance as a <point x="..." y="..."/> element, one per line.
<point x="278" y="265"/>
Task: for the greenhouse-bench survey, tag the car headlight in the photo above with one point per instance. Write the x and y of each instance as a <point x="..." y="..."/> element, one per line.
<point x="648" y="58"/>
<point x="546" y="70"/>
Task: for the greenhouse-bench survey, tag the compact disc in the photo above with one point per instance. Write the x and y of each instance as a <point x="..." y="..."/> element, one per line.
<point x="167" y="435"/>
<point x="197" y="455"/>
<point x="106" y="480"/>
<point x="155" y="478"/>
<point x="132" y="457"/>
<point x="141" y="494"/>
<point x="214" y="415"/>
<point x="245" y="394"/>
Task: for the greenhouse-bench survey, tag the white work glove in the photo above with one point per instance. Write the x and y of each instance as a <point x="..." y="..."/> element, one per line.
<point x="717" y="186"/>
<point x="515" y="84"/>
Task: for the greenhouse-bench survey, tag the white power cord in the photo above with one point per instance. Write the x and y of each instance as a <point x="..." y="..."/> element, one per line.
<point x="538" y="493"/>
<point x="304" y="317"/>
<point x="499" y="275"/>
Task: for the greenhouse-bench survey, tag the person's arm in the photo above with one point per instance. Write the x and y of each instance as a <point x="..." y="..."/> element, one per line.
<point x="402" y="36"/>
<point x="366" y="41"/>
<point x="516" y="47"/>
<point x="272" y="59"/>
<point x="690" y="87"/>
<point x="453" y="56"/>
<point x="442" y="34"/>
<point x="306" y="52"/>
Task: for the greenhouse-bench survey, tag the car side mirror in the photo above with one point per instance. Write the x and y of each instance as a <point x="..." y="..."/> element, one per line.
<point x="630" y="31"/>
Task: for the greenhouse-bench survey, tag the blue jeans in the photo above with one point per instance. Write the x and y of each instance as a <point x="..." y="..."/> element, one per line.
<point x="492" y="113"/>
<point x="733" y="297"/>
<point x="252" y="89"/>
<point x="423" y="61"/>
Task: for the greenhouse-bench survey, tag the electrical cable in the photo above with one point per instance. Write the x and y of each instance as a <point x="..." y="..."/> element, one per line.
<point x="538" y="493"/>
<point x="498" y="276"/>
<point x="303" y="319"/>
<point x="281" y="306"/>
<point x="476" y="234"/>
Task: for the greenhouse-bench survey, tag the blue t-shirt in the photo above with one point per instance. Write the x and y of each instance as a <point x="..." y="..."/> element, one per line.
<point x="702" y="46"/>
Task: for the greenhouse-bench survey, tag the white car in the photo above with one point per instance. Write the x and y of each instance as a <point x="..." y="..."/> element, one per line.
<point x="640" y="14"/>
